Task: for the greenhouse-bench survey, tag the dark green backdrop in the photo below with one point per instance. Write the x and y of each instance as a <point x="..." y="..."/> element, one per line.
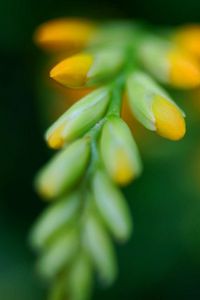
<point x="162" y="261"/>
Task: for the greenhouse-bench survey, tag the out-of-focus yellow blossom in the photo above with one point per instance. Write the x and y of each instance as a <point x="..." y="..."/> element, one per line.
<point x="169" y="64"/>
<point x="188" y="38"/>
<point x="184" y="70"/>
<point x="64" y="34"/>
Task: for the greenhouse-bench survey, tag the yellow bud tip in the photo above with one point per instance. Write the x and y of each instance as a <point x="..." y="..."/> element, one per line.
<point x="45" y="192"/>
<point x="169" y="120"/>
<point x="123" y="173"/>
<point x="55" y="140"/>
<point x="188" y="38"/>
<point x="184" y="70"/>
<point x="63" y="34"/>
<point x="44" y="189"/>
<point x="72" y="72"/>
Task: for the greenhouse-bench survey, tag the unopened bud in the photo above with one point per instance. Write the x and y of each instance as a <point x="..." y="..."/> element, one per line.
<point x="169" y="64"/>
<point x="152" y="106"/>
<point x="79" y="118"/>
<point x="112" y="206"/>
<point x="119" y="151"/>
<point x="64" y="170"/>
<point x="59" y="214"/>
<point x="99" y="247"/>
<point x="88" y="69"/>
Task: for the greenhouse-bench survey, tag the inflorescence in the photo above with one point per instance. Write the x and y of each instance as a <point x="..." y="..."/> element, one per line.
<point x="97" y="151"/>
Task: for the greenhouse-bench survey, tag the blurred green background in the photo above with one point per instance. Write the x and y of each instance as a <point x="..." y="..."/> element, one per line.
<point x="162" y="261"/>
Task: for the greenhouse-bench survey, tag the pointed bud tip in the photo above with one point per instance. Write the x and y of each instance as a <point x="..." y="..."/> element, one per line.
<point x="72" y="72"/>
<point x="44" y="190"/>
<point x="168" y="118"/>
<point x="54" y="139"/>
<point x="184" y="71"/>
<point x="124" y="172"/>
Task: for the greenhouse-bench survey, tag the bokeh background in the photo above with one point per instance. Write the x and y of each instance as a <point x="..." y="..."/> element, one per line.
<point x="162" y="260"/>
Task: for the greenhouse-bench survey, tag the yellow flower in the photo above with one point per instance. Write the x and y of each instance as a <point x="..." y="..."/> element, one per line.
<point x="169" y="64"/>
<point x="184" y="71"/>
<point x="188" y="38"/>
<point x="64" y="34"/>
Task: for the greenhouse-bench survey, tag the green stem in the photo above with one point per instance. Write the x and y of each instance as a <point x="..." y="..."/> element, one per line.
<point x="114" y="109"/>
<point x="117" y="88"/>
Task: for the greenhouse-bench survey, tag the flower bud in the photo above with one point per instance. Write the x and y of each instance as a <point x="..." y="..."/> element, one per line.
<point x="152" y="106"/>
<point x="64" y="170"/>
<point x="99" y="246"/>
<point x="80" y="278"/>
<point x="56" y="216"/>
<point x="64" y="34"/>
<point x="112" y="206"/>
<point x="57" y="290"/>
<point x="117" y="34"/>
<point x="88" y="69"/>
<point x="169" y="64"/>
<point x="119" y="151"/>
<point x="79" y="118"/>
<point x="59" y="254"/>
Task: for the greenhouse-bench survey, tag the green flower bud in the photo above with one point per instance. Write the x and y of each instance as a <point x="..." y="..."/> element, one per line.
<point x="112" y="206"/>
<point x="56" y="216"/>
<point x="152" y="106"/>
<point x="99" y="247"/>
<point x="117" y="34"/>
<point x="142" y="92"/>
<point x="64" y="170"/>
<point x="119" y="151"/>
<point x="79" y="118"/>
<point x="152" y="54"/>
<point x="60" y="253"/>
<point x="106" y="63"/>
<point x="80" y="278"/>
<point x="168" y="63"/>
<point x="89" y="68"/>
<point x="57" y="290"/>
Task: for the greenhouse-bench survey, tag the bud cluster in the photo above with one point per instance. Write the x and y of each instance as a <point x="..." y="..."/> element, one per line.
<point x="97" y="152"/>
